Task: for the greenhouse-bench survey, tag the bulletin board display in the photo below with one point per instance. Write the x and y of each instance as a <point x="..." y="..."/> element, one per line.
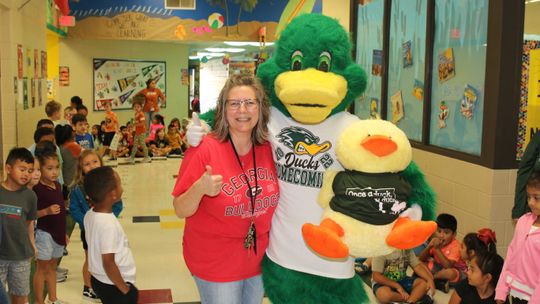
<point x="459" y="54"/>
<point x="369" y="55"/>
<point x="117" y="81"/>
<point x="406" y="65"/>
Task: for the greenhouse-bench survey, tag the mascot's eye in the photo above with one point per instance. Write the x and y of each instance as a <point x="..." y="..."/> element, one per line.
<point x="297" y="59"/>
<point x="324" y="61"/>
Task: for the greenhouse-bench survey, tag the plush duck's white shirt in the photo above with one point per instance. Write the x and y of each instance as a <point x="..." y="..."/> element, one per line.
<point x="302" y="153"/>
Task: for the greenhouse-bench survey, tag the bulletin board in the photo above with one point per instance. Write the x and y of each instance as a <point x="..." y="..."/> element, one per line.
<point x="406" y="65"/>
<point x="458" y="75"/>
<point x="369" y="45"/>
<point x="117" y="81"/>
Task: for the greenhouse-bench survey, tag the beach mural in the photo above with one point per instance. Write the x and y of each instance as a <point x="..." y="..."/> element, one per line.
<point x="210" y="20"/>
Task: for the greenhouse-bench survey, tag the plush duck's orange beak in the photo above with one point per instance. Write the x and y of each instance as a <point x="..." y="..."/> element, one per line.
<point x="379" y="145"/>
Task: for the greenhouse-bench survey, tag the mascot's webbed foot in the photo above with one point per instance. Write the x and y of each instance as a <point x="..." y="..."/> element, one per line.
<point x="408" y="234"/>
<point x="325" y="239"/>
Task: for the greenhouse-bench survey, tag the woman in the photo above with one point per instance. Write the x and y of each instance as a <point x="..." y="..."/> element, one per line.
<point x="216" y="191"/>
<point x="151" y="106"/>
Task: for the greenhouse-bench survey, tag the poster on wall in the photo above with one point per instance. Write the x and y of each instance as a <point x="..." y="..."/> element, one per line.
<point x="119" y="80"/>
<point x="25" y="93"/>
<point x="468" y="102"/>
<point x="44" y="64"/>
<point x="28" y="63"/>
<point x="406" y="54"/>
<point x="185" y="77"/>
<point x="64" y="76"/>
<point x="36" y="63"/>
<point x="376" y="66"/>
<point x="446" y="65"/>
<point x="40" y="92"/>
<point x="20" y="61"/>
<point x="397" y="107"/>
<point x="33" y="91"/>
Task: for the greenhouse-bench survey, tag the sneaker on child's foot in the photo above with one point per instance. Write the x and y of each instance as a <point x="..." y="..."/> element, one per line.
<point x="89" y="294"/>
<point x="60" y="277"/>
<point x="62" y="270"/>
<point x="442" y="285"/>
<point x="361" y="268"/>
<point x="147" y="160"/>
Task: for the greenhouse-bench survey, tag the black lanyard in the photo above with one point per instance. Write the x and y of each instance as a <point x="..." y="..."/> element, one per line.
<point x="251" y="238"/>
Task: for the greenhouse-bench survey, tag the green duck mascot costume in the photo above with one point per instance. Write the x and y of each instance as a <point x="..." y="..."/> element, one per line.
<point x="311" y="79"/>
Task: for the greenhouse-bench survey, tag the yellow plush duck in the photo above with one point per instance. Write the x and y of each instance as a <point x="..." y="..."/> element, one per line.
<point x="366" y="211"/>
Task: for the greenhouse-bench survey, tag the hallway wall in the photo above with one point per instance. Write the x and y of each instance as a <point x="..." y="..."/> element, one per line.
<point x="27" y="28"/>
<point x="78" y="54"/>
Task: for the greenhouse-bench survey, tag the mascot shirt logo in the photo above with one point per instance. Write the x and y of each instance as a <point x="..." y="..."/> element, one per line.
<point x="302" y="141"/>
<point x="306" y="160"/>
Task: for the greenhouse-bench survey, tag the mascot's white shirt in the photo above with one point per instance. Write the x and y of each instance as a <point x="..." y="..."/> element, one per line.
<point x="302" y="153"/>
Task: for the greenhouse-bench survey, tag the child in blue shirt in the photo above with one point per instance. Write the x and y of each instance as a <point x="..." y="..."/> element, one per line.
<point x="82" y="137"/>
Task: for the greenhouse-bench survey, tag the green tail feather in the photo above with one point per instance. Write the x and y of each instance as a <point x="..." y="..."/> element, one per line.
<point x="422" y="193"/>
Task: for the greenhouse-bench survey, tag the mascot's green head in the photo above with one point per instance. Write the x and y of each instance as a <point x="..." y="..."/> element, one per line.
<point x="311" y="74"/>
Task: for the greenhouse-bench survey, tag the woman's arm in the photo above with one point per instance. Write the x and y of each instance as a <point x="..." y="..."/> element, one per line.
<point x="187" y="203"/>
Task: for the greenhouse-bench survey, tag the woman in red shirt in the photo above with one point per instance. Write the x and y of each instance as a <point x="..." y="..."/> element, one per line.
<point x="227" y="190"/>
<point x="151" y="106"/>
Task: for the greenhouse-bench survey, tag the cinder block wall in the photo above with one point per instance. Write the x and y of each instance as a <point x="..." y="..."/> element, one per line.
<point x="477" y="196"/>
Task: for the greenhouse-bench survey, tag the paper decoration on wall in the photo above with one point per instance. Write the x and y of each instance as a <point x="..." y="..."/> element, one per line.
<point x="374" y="108"/>
<point x="33" y="91"/>
<point x="199" y="30"/>
<point x="418" y="90"/>
<point x="44" y="64"/>
<point x="50" y="89"/>
<point x="28" y="63"/>
<point x="185" y="76"/>
<point x="119" y="80"/>
<point x="443" y="114"/>
<point x="397" y="107"/>
<point x="15" y="85"/>
<point x="446" y="65"/>
<point x="407" y="54"/>
<point x="468" y="102"/>
<point x="25" y="93"/>
<point x="40" y="92"/>
<point x="20" y="62"/>
<point x="64" y="76"/>
<point x="180" y="32"/>
<point x="216" y="20"/>
<point x="125" y="82"/>
<point x="377" y="65"/>
<point x="36" y="64"/>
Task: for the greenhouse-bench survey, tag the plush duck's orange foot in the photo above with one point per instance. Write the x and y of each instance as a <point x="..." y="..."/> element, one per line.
<point x="325" y="239"/>
<point x="407" y="234"/>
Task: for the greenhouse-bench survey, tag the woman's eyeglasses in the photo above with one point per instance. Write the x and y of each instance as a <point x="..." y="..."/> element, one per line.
<point x="235" y="104"/>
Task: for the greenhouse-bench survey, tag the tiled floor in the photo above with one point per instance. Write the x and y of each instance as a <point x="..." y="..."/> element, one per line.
<point x="155" y="235"/>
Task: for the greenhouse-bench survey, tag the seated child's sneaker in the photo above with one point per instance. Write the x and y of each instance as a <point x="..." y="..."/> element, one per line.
<point x="58" y="301"/>
<point x="442" y="285"/>
<point x="361" y="268"/>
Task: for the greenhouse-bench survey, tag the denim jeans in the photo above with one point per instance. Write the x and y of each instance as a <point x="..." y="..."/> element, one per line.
<point x="148" y="117"/>
<point x="248" y="291"/>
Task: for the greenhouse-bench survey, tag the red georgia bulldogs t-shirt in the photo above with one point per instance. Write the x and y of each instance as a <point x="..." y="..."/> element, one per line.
<point x="214" y="235"/>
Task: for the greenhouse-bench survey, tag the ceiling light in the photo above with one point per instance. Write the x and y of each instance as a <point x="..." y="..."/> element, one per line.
<point x="225" y="50"/>
<point x="207" y="54"/>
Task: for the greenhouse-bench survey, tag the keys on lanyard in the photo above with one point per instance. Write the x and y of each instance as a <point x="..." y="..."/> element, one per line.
<point x="251" y="238"/>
